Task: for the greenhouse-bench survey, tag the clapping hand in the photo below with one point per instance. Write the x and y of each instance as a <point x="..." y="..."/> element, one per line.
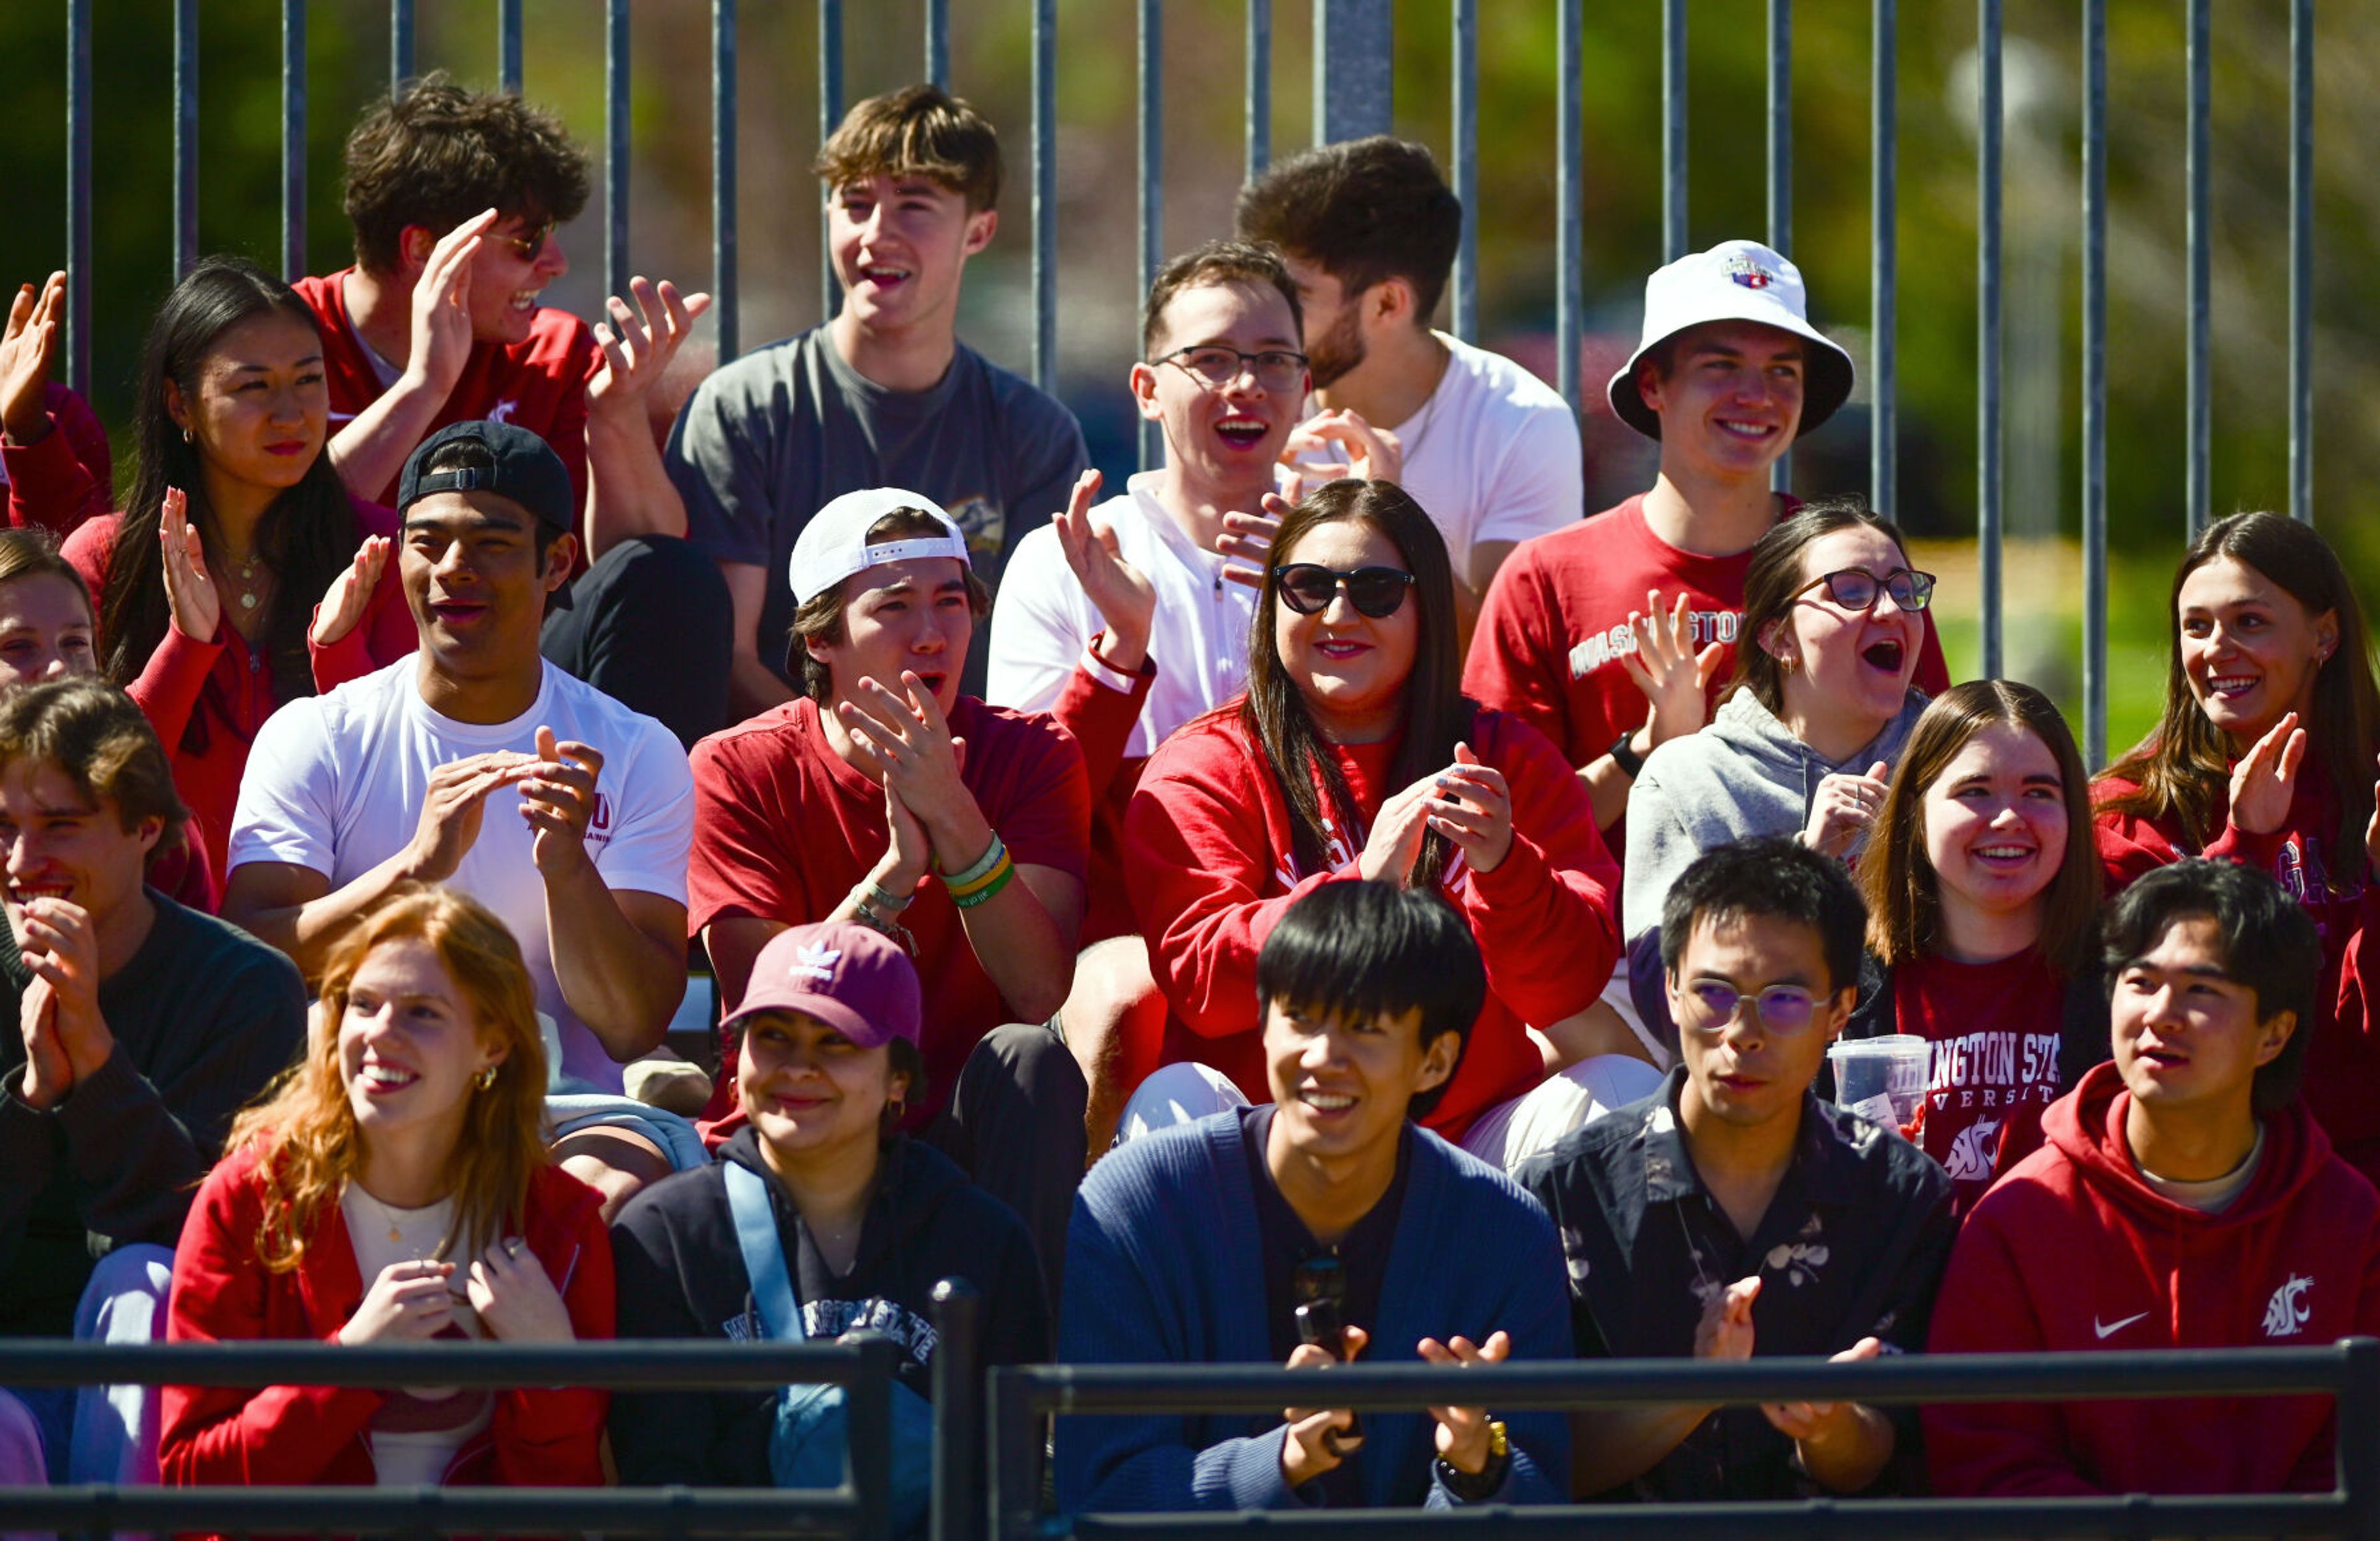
<point x="1247" y="537"/>
<point x="2265" y="781"/>
<point x="190" y="592"/>
<point x="639" y="342"/>
<point x="515" y="1300"/>
<point x="1674" y="677"/>
<point x="29" y="346"/>
<point x="351" y="593"/>
<point x="1843" y="808"/>
<point x="1119" y="591"/>
<point x="1372" y="454"/>
<point x="1317" y="1441"/>
<point x="1462" y="1434"/>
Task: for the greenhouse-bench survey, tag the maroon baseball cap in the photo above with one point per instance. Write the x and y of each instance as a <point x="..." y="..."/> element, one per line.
<point x="853" y="977"/>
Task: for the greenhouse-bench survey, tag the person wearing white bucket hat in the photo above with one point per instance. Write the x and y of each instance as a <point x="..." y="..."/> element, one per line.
<point x="1607" y="637"/>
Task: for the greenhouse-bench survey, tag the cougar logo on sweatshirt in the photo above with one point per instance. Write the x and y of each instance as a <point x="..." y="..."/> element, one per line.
<point x="1970" y="1159"/>
<point x="2287" y="1313"/>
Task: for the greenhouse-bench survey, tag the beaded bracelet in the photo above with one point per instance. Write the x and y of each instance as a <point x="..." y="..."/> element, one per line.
<point x="975" y="871"/>
<point x="984" y="892"/>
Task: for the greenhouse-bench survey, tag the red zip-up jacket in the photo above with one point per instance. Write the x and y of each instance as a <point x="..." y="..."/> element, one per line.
<point x="1208" y="854"/>
<point x="317" y="1435"/>
<point x="2072" y="1250"/>
<point x="2342" y="1067"/>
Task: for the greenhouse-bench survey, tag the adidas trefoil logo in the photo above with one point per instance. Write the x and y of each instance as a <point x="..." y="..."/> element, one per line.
<point x="817" y="960"/>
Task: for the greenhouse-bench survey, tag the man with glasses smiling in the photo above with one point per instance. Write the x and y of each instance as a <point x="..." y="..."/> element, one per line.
<point x="1732" y="1212"/>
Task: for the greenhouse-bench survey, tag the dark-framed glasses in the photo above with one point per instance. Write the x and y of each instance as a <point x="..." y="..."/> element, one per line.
<point x="1856" y="588"/>
<point x="1309" y="587"/>
<point x="1275" y="368"/>
<point x="531" y="241"/>
<point x="1780" y="1008"/>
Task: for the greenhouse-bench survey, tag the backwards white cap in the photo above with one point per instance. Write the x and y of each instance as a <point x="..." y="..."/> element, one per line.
<point x="834" y="545"/>
<point x="1733" y="281"/>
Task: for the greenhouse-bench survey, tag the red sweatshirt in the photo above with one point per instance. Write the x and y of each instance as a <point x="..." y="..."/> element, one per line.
<point x="2072" y="1250"/>
<point x="65" y="477"/>
<point x="230" y="689"/>
<point x="2342" y="1069"/>
<point x="317" y="1435"/>
<point x="1207" y="843"/>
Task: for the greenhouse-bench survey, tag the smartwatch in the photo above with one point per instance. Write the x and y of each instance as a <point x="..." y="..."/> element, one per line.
<point x="1624" y="754"/>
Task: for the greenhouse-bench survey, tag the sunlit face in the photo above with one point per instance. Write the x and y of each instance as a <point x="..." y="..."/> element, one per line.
<point x="477" y="582"/>
<point x="1731" y="400"/>
<point x="1741" y="1070"/>
<point x="2249" y="651"/>
<point x="912" y="614"/>
<point x="411" y="1046"/>
<point x="517" y="259"/>
<point x="260" y="412"/>
<point x="899" y="246"/>
<point x="1334" y="330"/>
<point x="1228" y="434"/>
<point x="1341" y="1082"/>
<point x="46" y="629"/>
<point x="1995" y="821"/>
<point x="1350" y="667"/>
<point x="61" y="844"/>
<point x="809" y="1091"/>
<point x="2185" y="1033"/>
<point x="1848" y="663"/>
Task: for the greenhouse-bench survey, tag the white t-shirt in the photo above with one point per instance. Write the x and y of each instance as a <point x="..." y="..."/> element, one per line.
<point x="334" y="784"/>
<point x="416" y="1432"/>
<point x="1199" y="640"/>
<point x="1493" y="455"/>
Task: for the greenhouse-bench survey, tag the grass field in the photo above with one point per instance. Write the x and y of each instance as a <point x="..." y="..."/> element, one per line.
<point x="2041" y="588"/>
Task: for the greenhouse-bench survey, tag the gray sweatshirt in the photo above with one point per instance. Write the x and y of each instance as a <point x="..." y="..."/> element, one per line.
<point x="1742" y="776"/>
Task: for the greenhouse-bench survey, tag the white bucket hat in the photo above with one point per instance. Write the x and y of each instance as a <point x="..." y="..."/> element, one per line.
<point x="1733" y="281"/>
<point x="834" y="545"/>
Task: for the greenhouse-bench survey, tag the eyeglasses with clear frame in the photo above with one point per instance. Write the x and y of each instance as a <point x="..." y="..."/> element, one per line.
<point x="1781" y="1009"/>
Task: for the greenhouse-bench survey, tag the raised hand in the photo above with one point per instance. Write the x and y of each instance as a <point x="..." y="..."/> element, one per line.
<point x="1372" y="454"/>
<point x="442" y="305"/>
<point x="2265" y="781"/>
<point x="639" y="342"/>
<point x="515" y="1299"/>
<point x="1121" y="593"/>
<point x="1462" y="1434"/>
<point x="1843" y="808"/>
<point x="1473" y="809"/>
<point x="1819" y="1421"/>
<point x="344" y="602"/>
<point x="1674" y="677"/>
<point x="906" y="742"/>
<point x="1725" y="1331"/>
<point x="190" y="591"/>
<point x="1317" y="1441"/>
<point x="29" y="347"/>
<point x="408" y="1304"/>
<point x="557" y="798"/>
<point x="452" y="806"/>
<point x="1248" y="539"/>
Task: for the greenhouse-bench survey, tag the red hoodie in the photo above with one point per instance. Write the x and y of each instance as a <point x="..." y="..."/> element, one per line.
<point x="1208" y="846"/>
<point x="2072" y="1250"/>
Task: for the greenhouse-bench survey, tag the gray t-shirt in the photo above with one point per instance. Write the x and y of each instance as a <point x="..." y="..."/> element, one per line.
<point x="769" y="440"/>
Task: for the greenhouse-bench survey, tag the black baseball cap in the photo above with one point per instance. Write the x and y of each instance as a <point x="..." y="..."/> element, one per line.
<point x="525" y="471"/>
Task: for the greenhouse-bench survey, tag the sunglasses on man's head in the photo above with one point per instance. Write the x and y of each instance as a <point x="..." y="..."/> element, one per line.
<point x="1308" y="587"/>
<point x="1856" y="588"/>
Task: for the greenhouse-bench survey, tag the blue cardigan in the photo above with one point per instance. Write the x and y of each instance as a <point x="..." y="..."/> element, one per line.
<point x="1161" y="1267"/>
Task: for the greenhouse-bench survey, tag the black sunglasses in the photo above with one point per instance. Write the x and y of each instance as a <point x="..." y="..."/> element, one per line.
<point x="1308" y="587"/>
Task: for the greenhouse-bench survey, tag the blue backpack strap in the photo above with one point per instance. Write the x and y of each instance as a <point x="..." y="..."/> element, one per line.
<point x="764" y="1258"/>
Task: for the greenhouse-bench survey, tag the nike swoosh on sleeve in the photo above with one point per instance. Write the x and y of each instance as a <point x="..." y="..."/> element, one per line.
<point x="2109" y="1329"/>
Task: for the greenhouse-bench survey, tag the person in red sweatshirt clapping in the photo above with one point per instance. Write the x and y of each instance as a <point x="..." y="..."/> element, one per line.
<point x="2186" y="1198"/>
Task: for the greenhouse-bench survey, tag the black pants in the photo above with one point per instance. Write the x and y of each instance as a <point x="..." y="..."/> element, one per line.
<point x="1015" y="1122"/>
<point x="652" y="626"/>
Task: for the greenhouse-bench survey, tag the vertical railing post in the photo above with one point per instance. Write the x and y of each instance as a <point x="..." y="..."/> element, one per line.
<point x="400" y="42"/>
<point x="1781" y="168"/>
<point x="938" y="43"/>
<point x="2199" y="236"/>
<point x="829" y="54"/>
<point x="2302" y="260"/>
<point x="1466" y="96"/>
<point x="508" y="45"/>
<point x="868" y="1423"/>
<point x="615" y="147"/>
<point x="1353" y="86"/>
<point x="2094" y="381"/>
<point x="293" y="140"/>
<point x="186" y="136"/>
<point x="78" y="338"/>
<point x="1988" y="126"/>
<point x="958" y="1511"/>
<point x="2359" y="1439"/>
<point x="1884" y="270"/>
<point x="723" y="175"/>
<point x="1674" y="227"/>
<point x="1260" y="91"/>
<point x="1045" y="194"/>
<point x="1015" y="1442"/>
<point x="1570" y="292"/>
<point x="1148" y="67"/>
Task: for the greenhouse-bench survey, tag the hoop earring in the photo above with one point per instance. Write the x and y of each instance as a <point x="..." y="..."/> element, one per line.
<point x="1788" y="663"/>
<point x="188" y="438"/>
<point x="487" y="1077"/>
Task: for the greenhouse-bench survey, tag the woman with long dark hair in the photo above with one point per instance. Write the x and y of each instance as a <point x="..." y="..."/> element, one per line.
<point x="1355" y="753"/>
<point x="2264" y="755"/>
<point x="235" y="530"/>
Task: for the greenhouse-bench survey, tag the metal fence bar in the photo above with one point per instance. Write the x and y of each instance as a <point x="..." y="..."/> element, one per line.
<point x="2094" y="381"/>
<point x="2301" y="261"/>
<point x="293" y="140"/>
<point x="2199" y="237"/>
<point x="1570" y="292"/>
<point x="1465" y="92"/>
<point x="723" y="175"/>
<point x="1045" y="194"/>
<point x="423" y="1511"/>
<point x="1884" y="260"/>
<point x="1673" y="130"/>
<point x="615" y="1362"/>
<point x="508" y="45"/>
<point x="1258" y="89"/>
<point x="78" y="338"/>
<point x="869" y="1433"/>
<point x="957" y="1513"/>
<point x="2358" y="1441"/>
<point x="400" y="42"/>
<point x="1353" y="80"/>
<point x="1781" y="168"/>
<point x="186" y="136"/>
<point x="1148" y="65"/>
<point x="615" y="147"/>
<point x="1988" y="468"/>
<point x="829" y="55"/>
<point x="938" y="42"/>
